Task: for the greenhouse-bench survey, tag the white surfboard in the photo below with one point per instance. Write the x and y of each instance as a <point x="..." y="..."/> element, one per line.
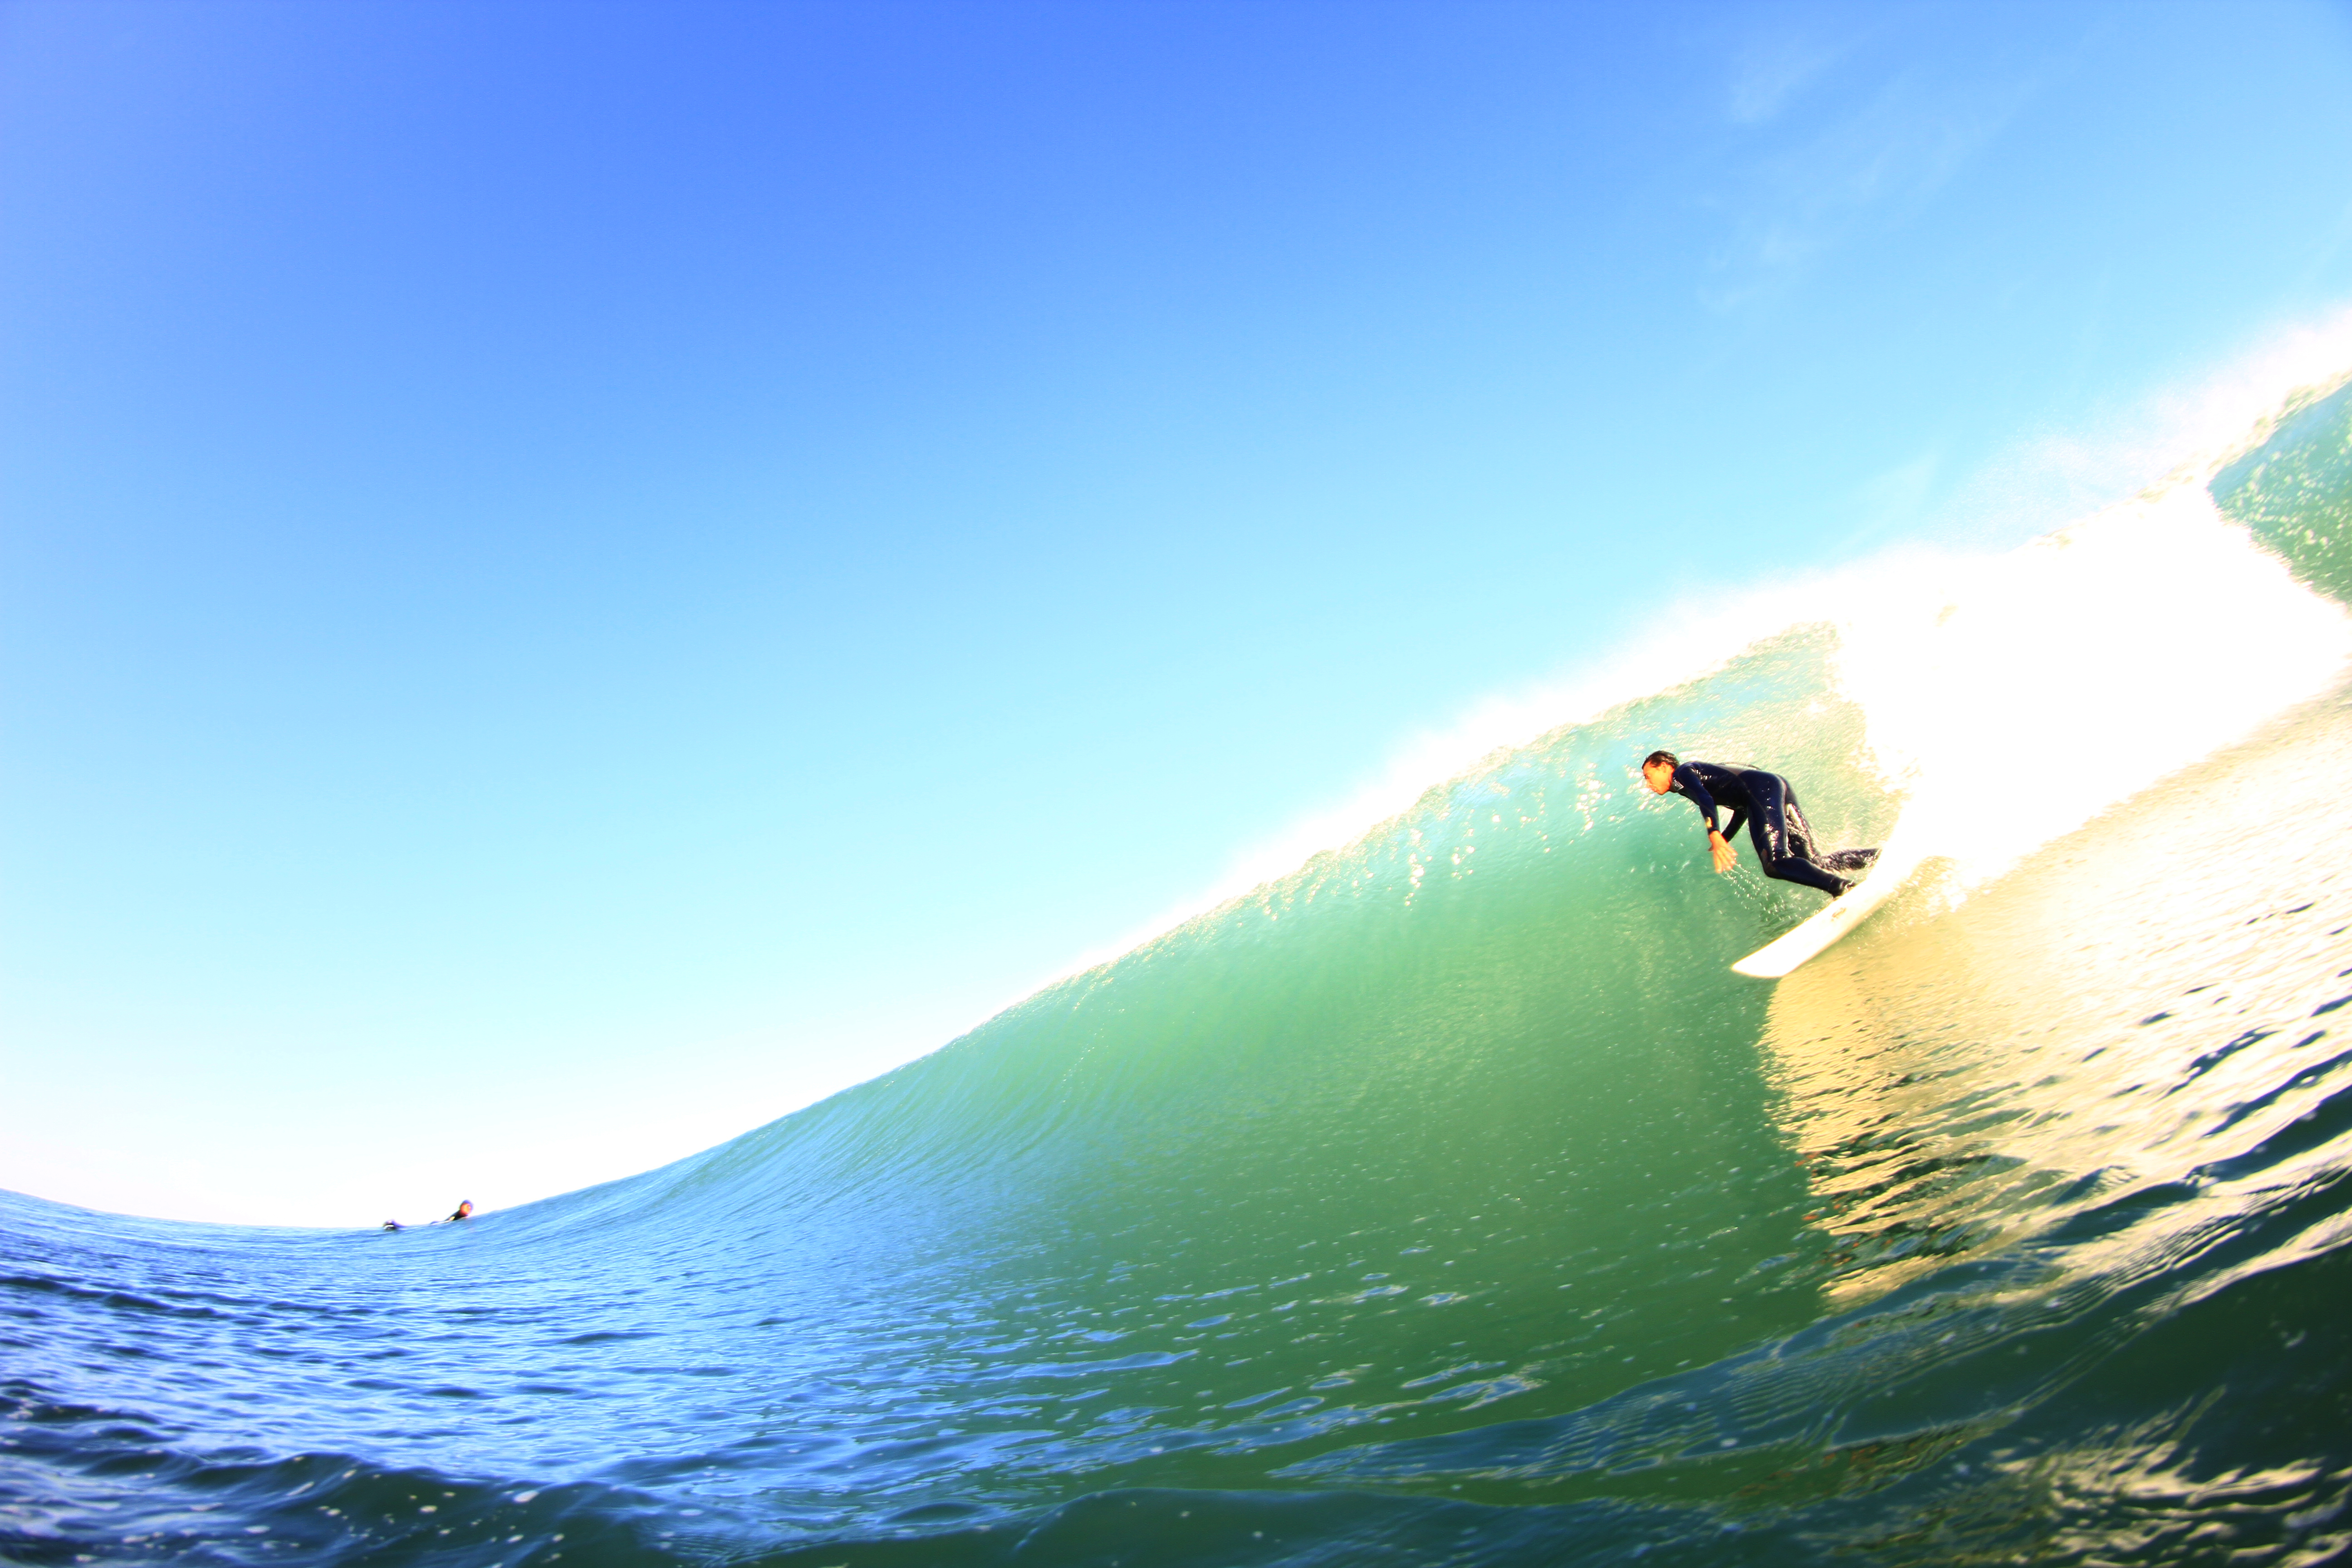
<point x="1893" y="867"/>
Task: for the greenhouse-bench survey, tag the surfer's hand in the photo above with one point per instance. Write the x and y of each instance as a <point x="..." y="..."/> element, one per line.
<point x="1720" y="847"/>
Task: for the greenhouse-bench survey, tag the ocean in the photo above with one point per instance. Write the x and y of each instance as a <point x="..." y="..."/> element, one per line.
<point x="1447" y="1200"/>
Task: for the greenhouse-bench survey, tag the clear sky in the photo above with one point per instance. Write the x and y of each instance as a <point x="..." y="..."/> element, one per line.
<point x="574" y="576"/>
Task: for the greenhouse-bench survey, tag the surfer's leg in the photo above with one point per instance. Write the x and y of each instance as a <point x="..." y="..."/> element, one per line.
<point x="1840" y="863"/>
<point x="1783" y="843"/>
<point x="1799" y="838"/>
<point x="1802" y="840"/>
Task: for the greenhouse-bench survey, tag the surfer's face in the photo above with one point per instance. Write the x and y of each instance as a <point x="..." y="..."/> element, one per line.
<point x="1659" y="777"/>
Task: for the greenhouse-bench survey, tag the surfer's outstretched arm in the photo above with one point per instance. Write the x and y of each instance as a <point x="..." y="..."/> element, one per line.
<point x="1663" y="772"/>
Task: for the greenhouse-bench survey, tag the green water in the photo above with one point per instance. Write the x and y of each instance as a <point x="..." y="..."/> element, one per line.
<point x="2294" y="492"/>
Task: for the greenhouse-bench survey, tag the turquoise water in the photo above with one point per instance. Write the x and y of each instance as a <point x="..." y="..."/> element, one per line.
<point x="1448" y="1200"/>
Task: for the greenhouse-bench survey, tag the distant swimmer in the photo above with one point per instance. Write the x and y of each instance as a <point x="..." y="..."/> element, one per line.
<point x="393" y="1224"/>
<point x="1768" y="802"/>
<point x="465" y="1211"/>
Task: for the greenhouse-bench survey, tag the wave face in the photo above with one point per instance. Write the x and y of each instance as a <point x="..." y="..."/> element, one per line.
<point x="1447" y="1201"/>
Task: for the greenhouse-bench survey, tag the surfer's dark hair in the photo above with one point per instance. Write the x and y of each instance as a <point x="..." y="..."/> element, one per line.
<point x="1655" y="758"/>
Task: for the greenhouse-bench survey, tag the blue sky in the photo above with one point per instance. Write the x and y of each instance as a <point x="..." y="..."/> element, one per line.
<point x="574" y="576"/>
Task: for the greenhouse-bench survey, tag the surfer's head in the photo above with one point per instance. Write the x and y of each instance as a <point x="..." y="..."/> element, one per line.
<point x="1658" y="771"/>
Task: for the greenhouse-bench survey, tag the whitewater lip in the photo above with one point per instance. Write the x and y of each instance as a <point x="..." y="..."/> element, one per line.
<point x="2228" y="419"/>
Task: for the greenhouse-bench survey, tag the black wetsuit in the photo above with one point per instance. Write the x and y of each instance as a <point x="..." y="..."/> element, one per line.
<point x="1776" y="826"/>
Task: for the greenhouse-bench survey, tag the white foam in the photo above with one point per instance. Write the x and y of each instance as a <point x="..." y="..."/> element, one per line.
<point x="2016" y="698"/>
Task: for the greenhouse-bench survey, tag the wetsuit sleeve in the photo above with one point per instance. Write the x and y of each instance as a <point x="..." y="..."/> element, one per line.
<point x="1690" y="789"/>
<point x="1731" y="828"/>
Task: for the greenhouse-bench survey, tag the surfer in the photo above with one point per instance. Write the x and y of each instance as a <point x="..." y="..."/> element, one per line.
<point x="1768" y="802"/>
<point x="465" y="1211"/>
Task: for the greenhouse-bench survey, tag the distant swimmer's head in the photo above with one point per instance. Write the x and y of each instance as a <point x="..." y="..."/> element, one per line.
<point x="1658" y="771"/>
<point x="464" y="1210"/>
